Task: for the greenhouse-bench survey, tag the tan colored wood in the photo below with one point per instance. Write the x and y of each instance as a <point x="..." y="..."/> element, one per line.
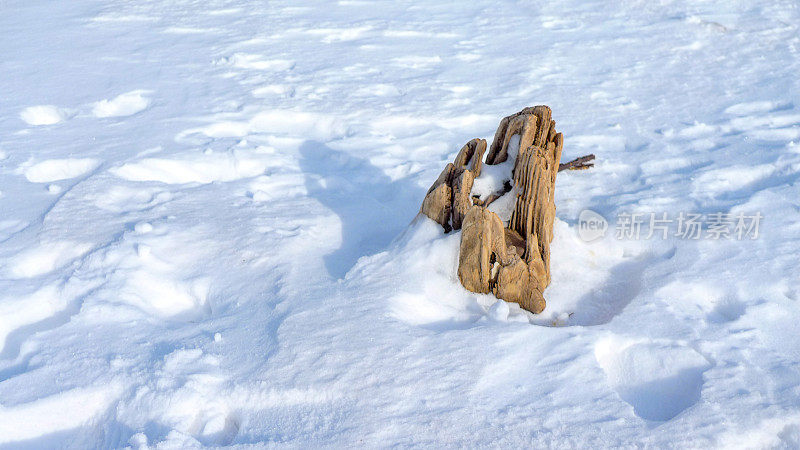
<point x="462" y="202"/>
<point x="439" y="199"/>
<point x="448" y="200"/>
<point x="482" y="247"/>
<point x="512" y="262"/>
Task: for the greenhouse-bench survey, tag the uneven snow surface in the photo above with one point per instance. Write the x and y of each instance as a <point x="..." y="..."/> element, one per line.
<point x="208" y="232"/>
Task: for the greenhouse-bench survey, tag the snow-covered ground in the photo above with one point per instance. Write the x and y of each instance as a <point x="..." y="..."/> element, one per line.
<point x="208" y="233"/>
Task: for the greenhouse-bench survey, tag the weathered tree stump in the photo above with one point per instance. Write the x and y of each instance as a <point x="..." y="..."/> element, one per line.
<point x="511" y="261"/>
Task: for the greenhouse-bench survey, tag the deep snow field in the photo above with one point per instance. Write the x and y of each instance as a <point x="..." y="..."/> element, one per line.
<point x="208" y="232"/>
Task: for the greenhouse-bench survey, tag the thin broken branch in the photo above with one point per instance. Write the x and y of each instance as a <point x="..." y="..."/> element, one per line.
<point x="577" y="163"/>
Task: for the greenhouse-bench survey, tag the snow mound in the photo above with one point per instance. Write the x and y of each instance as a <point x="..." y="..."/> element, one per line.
<point x="250" y="61"/>
<point x="321" y="127"/>
<point x="60" y="412"/>
<point x="590" y="287"/>
<point x="45" y="258"/>
<point x="192" y="169"/>
<point x="43" y="115"/>
<point x="59" y="169"/>
<point x="123" y="105"/>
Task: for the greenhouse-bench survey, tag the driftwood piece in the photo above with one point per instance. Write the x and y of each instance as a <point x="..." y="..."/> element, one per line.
<point x="511" y="261"/>
<point x="449" y="200"/>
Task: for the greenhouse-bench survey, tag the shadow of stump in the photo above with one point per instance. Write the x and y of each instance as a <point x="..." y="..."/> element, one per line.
<point x="372" y="208"/>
